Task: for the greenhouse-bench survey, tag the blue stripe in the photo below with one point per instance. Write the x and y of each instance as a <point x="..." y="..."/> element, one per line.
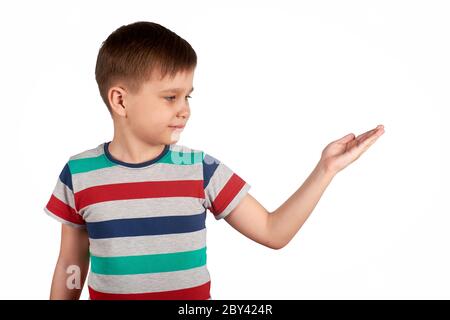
<point x="66" y="177"/>
<point x="146" y="226"/>
<point x="210" y="165"/>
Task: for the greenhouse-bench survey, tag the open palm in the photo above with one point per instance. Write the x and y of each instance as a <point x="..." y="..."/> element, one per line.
<point x="340" y="153"/>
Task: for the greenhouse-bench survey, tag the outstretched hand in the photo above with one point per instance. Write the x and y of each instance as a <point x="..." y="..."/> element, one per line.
<point x="340" y="153"/>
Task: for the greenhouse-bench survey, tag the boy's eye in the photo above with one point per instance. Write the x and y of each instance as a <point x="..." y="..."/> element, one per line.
<point x="171" y="98"/>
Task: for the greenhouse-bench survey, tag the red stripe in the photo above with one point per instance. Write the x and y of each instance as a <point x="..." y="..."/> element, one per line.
<point x="139" y="190"/>
<point x="195" y="293"/>
<point x="63" y="210"/>
<point x="227" y="194"/>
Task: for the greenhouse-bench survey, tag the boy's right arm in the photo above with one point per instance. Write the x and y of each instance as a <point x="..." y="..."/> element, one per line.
<point x="67" y="282"/>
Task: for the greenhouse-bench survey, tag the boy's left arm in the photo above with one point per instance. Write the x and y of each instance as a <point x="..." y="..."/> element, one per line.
<point x="276" y="229"/>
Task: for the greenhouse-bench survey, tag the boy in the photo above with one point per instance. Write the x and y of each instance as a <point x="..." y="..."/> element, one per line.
<point x="135" y="207"/>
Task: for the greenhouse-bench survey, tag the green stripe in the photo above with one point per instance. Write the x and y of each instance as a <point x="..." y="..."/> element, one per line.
<point x="181" y="158"/>
<point x="151" y="263"/>
<point x="89" y="164"/>
<point x="100" y="162"/>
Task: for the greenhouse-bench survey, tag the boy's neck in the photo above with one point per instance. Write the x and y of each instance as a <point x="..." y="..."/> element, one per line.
<point x="132" y="150"/>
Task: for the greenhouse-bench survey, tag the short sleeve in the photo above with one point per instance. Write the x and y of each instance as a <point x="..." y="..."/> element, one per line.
<point x="224" y="189"/>
<point x="61" y="205"/>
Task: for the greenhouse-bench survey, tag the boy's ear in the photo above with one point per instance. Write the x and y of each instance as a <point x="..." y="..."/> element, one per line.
<point x="116" y="97"/>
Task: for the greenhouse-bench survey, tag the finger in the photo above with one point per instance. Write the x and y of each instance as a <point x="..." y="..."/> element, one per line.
<point x="359" y="140"/>
<point x="370" y="131"/>
<point x="364" y="145"/>
<point x="356" y="151"/>
<point x="367" y="134"/>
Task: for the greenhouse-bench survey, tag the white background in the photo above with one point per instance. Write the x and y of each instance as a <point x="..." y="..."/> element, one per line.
<point x="275" y="83"/>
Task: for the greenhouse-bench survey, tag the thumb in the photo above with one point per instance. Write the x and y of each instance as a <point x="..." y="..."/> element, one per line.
<point x="346" y="138"/>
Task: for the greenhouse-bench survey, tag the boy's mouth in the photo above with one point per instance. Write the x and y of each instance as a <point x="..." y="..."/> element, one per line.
<point x="181" y="127"/>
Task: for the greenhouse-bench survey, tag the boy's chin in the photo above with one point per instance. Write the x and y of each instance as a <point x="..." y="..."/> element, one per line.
<point x="174" y="137"/>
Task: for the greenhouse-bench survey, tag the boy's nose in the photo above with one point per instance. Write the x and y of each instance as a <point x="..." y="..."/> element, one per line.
<point x="184" y="112"/>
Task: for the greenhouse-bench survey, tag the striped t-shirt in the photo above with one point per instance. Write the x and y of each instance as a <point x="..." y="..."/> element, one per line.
<point x="146" y="221"/>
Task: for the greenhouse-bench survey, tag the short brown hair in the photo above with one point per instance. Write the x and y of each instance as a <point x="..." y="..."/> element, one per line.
<point x="135" y="52"/>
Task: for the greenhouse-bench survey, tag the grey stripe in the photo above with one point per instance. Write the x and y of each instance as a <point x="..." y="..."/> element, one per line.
<point x="216" y="183"/>
<point x="63" y="193"/>
<point x="94" y="152"/>
<point x="151" y="282"/>
<point x="129" y="246"/>
<point x="142" y="208"/>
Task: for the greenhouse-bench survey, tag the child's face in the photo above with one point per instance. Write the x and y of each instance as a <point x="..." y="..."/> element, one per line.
<point x="158" y="106"/>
